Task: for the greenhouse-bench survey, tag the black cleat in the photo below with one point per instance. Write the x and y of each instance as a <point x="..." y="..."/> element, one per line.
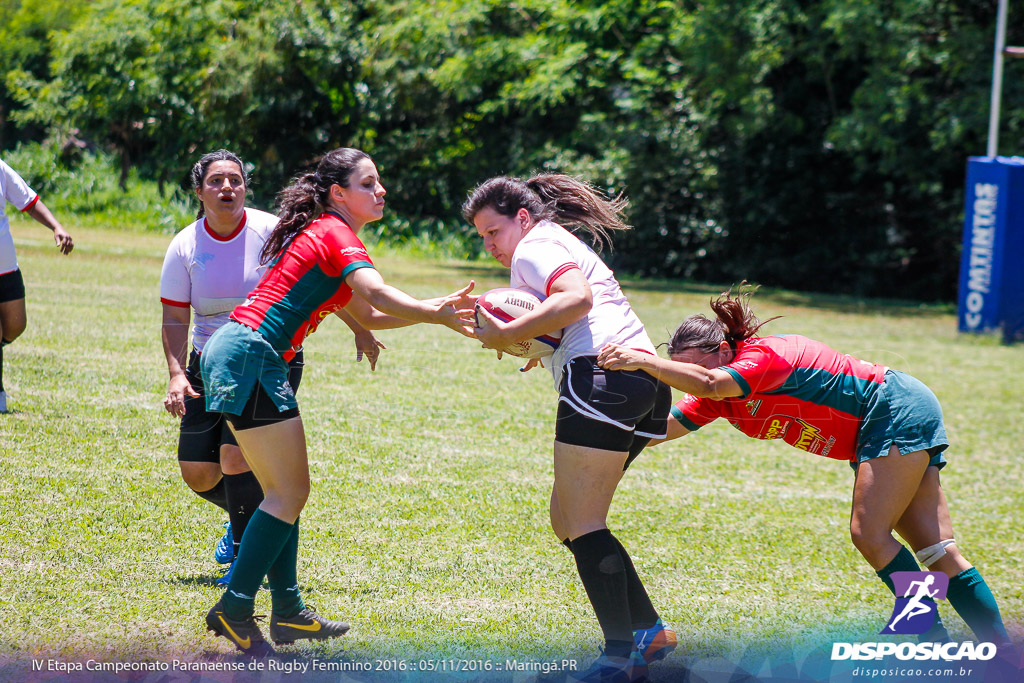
<point x="307" y="624"/>
<point x="245" y="634"/>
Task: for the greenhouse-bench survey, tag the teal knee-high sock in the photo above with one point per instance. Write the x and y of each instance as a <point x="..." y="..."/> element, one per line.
<point x="971" y="598"/>
<point x="264" y="538"/>
<point x="906" y="562"/>
<point x="286" y="601"/>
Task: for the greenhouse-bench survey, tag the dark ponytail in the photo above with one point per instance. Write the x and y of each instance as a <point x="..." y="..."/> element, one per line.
<point x="305" y="198"/>
<point x="555" y="197"/>
<point x="734" y="322"/>
<point x="198" y="173"/>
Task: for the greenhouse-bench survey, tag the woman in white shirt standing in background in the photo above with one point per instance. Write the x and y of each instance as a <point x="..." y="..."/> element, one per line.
<point x="13" y="318"/>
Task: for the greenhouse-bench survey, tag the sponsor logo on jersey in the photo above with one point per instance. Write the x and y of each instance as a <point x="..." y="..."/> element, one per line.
<point x="753" y="406"/>
<point x="809" y="436"/>
<point x="777" y="428"/>
<point x="353" y="251"/>
<point x="319" y="318"/>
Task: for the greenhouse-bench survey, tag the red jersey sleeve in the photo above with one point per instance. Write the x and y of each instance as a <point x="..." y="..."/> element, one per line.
<point x="693" y="412"/>
<point x="339" y="251"/>
<point x="757" y="368"/>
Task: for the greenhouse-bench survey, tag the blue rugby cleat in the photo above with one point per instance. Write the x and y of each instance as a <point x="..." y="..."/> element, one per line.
<point x="224" y="552"/>
<point x="656" y="642"/>
<point x="224" y="579"/>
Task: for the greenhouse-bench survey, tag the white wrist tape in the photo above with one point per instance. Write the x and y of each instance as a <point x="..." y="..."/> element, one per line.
<point x="928" y="556"/>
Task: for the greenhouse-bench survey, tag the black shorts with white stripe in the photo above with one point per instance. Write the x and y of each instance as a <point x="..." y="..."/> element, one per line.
<point x="614" y="410"/>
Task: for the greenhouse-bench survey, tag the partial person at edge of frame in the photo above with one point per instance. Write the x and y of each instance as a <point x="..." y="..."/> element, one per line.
<point x="521" y="223"/>
<point x="886" y="423"/>
<point x="210" y="267"/>
<point x="13" y="316"/>
<point x="317" y="266"/>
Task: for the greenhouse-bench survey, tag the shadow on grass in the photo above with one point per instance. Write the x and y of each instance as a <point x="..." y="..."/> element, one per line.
<point x="195" y="580"/>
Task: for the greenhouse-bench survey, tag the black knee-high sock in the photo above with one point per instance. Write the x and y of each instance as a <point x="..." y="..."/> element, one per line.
<point x="244" y="495"/>
<point x="641" y="611"/>
<point x="604" y="577"/>
<point x="215" y="495"/>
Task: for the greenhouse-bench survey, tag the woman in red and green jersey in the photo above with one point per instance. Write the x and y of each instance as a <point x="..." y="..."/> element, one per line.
<point x="887" y="424"/>
<point x="317" y="266"/>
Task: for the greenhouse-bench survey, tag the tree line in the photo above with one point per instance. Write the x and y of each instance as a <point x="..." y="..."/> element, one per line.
<point x="811" y="144"/>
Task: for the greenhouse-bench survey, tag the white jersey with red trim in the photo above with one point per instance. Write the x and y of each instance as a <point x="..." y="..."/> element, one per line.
<point x="547" y="251"/>
<point x="213" y="274"/>
<point x="16" y="191"/>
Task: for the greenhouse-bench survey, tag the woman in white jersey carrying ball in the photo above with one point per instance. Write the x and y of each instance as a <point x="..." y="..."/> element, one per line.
<point x="605" y="418"/>
<point x="210" y="267"/>
<point x="13" y="318"/>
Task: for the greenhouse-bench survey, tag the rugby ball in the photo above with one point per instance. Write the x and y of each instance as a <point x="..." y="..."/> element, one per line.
<point x="507" y="304"/>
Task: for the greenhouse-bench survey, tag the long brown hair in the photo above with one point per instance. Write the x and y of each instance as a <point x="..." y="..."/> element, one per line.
<point x="198" y="173"/>
<point x="734" y="322"/>
<point x="305" y="198"/>
<point x="555" y="197"/>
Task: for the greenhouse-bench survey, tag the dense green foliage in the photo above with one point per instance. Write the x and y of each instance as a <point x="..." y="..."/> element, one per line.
<point x="86" y="190"/>
<point x="813" y="144"/>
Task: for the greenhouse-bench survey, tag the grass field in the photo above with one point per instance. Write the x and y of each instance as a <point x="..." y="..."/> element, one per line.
<point x="427" y="524"/>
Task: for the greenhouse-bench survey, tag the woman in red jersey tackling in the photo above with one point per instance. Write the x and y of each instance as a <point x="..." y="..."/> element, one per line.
<point x="317" y="266"/>
<point x="887" y="424"/>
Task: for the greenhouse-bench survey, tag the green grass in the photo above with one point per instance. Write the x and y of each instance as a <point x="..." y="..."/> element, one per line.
<point x="427" y="524"/>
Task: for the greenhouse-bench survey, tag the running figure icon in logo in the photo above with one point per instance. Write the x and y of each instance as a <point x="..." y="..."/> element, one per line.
<point x="916" y="609"/>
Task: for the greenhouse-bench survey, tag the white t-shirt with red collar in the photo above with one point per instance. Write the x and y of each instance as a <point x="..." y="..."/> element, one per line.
<point x="213" y="274"/>
<point x="547" y="251"/>
<point x="16" y="191"/>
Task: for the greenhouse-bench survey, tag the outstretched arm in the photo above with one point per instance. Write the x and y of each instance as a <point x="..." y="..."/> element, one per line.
<point x="42" y="214"/>
<point x="393" y="303"/>
<point x="694" y="379"/>
<point x="675" y="430"/>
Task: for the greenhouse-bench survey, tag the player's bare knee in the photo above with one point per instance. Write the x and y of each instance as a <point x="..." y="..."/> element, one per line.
<point x="285" y="502"/>
<point x="200" y="476"/>
<point x="304" y="494"/>
<point x="232" y="461"/>
<point x="871" y="543"/>
<point x="12" y="331"/>
<point x="296" y="496"/>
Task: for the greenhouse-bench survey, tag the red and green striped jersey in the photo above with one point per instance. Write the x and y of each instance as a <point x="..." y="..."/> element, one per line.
<point x="795" y="389"/>
<point x="304" y="284"/>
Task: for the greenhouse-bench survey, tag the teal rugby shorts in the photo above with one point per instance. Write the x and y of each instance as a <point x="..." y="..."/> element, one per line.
<point x="234" y="360"/>
<point x="906" y="413"/>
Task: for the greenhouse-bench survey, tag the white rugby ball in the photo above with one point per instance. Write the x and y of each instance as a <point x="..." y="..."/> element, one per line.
<point x="507" y="304"/>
